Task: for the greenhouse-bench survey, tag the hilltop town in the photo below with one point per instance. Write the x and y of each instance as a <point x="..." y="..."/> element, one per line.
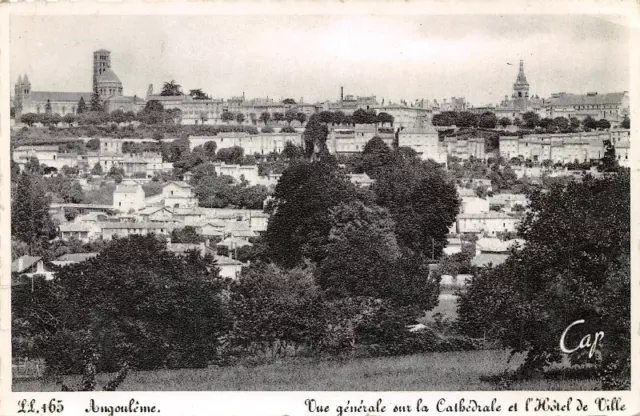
<point x="387" y="208"/>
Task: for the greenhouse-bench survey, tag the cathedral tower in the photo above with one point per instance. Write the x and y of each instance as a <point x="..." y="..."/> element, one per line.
<point x="521" y="86"/>
<point x="101" y="62"/>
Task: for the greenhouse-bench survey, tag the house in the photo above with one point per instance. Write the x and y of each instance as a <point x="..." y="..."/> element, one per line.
<point x="73" y="258"/>
<point x="155" y="213"/>
<point x="454" y="246"/>
<point x="83" y="231"/>
<point x="509" y="200"/>
<point x="228" y="267"/>
<point x="490" y="223"/>
<point x="30" y="266"/>
<point x="491" y="252"/>
<point x="179" y="194"/>
<point x="258" y="221"/>
<point x="361" y="179"/>
<point x="128" y="196"/>
<point x="124" y="229"/>
<point x="239" y="229"/>
<point x="474" y="205"/>
<point x="232" y="243"/>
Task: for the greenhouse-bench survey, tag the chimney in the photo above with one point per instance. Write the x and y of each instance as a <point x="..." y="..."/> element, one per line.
<point x="341" y="93"/>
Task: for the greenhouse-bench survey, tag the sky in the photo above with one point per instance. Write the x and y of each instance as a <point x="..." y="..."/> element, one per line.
<point x="311" y="57"/>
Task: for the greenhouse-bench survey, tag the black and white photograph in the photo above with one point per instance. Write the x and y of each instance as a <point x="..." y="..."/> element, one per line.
<point x="319" y="202"/>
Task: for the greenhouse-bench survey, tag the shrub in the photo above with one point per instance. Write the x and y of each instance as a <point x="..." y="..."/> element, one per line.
<point x="267" y="129"/>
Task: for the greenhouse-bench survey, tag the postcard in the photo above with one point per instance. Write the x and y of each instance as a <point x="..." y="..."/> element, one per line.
<point x="321" y="208"/>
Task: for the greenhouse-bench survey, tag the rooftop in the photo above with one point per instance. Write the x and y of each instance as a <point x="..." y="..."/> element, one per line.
<point x="23" y="263"/>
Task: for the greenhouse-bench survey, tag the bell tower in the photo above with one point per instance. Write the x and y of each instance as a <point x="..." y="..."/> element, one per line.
<point x="101" y="62"/>
<point x="521" y="86"/>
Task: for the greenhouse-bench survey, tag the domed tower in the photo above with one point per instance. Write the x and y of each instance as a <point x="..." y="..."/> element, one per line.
<point x="105" y="82"/>
<point x="521" y="86"/>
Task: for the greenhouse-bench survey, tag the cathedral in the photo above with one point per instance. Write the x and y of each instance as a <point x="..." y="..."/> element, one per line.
<point x="105" y="83"/>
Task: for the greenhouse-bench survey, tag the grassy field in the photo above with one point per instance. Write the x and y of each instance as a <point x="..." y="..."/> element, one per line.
<point x="420" y="372"/>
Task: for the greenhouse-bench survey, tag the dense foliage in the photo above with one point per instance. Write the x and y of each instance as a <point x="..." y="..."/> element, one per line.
<point x="575" y="265"/>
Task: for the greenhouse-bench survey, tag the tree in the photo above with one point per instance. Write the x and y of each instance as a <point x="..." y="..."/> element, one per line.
<point x="47" y="107"/>
<point x="29" y="119"/>
<point x="302" y="200"/>
<point x="66" y="189"/>
<point x="140" y="285"/>
<point x="626" y="123"/>
<point x="315" y="137"/>
<point x="278" y="117"/>
<point x="210" y="150"/>
<point x="353" y="266"/>
<point x="361" y="116"/>
<point x="574" y="123"/>
<point x="547" y="124"/>
<point x="339" y="117"/>
<point x="30" y="220"/>
<point x="301" y="117"/>
<point x="289" y="101"/>
<point x="604" y="124"/>
<point x="571" y="258"/>
<point x="116" y="174"/>
<point x="376" y="155"/>
<point x="97" y="169"/>
<point x="275" y="309"/>
<point x="467" y="119"/>
<point x="171" y="89"/>
<point x="488" y="120"/>
<point x="422" y="200"/>
<point x="69" y="119"/>
<point x="505" y="122"/>
<point x="325" y="117"/>
<point x="384" y="118"/>
<point x="292" y="151"/>
<point x="240" y="118"/>
<point x="531" y="120"/>
<point x="33" y="166"/>
<point x="560" y="124"/>
<point x="289" y="116"/>
<point x="96" y="103"/>
<point x="589" y="123"/>
<point x="197" y="94"/>
<point x="186" y="234"/>
<point x="82" y="106"/>
<point x="265" y="117"/>
<point x="227" y="116"/>
<point x="231" y="155"/>
<point x="117" y="116"/>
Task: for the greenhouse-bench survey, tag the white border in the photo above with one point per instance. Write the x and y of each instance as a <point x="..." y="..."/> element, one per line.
<point x="292" y="403"/>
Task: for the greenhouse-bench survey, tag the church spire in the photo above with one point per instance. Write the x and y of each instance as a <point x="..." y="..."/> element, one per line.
<point x="521" y="78"/>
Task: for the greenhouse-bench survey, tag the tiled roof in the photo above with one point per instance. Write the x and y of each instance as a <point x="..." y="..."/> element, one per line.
<point x="76" y="257"/>
<point x="495" y="245"/>
<point x="226" y="261"/>
<point x="138" y="225"/>
<point x="108" y="76"/>
<point x="485" y="215"/>
<point x="74" y="227"/>
<point x="484" y="259"/>
<point x="23" y="263"/>
<point x="180" y="184"/>
<point x="37" y="148"/>
<point x="598" y="99"/>
<point x="234" y="242"/>
<point x="127" y="189"/>
<point x="60" y="96"/>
